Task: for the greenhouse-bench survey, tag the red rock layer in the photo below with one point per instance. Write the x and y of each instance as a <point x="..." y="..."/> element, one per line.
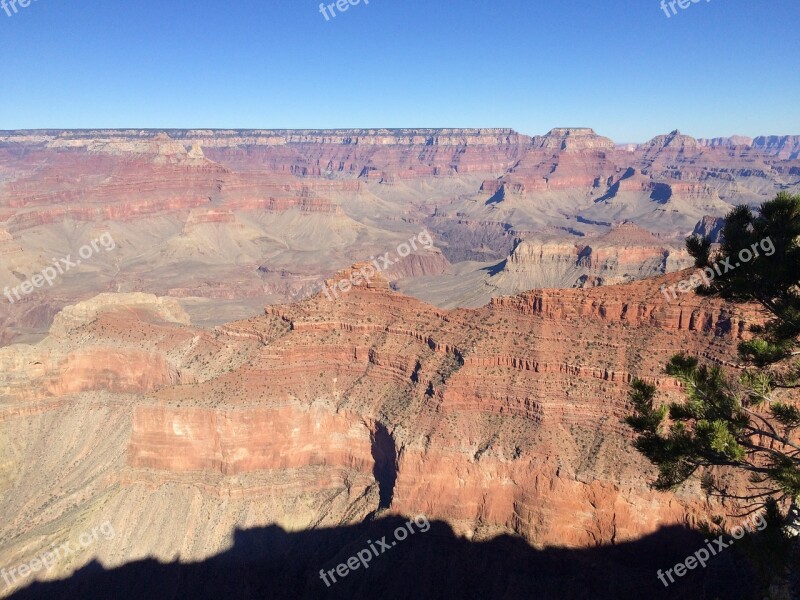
<point x="503" y="418"/>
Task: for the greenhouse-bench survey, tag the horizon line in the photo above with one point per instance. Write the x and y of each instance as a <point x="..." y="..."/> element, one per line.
<point x="371" y="130"/>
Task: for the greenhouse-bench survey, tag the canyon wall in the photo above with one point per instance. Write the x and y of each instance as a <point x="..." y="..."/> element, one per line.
<point x="507" y="418"/>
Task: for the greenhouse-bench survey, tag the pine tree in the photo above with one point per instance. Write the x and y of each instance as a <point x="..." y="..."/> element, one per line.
<point x="751" y="422"/>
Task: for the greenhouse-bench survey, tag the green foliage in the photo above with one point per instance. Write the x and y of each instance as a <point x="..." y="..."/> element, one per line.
<point x="719" y="439"/>
<point x="718" y="425"/>
<point x="704" y="430"/>
<point x="758" y="386"/>
<point x="646" y="419"/>
<point x="737" y="422"/>
<point x="762" y="352"/>
<point x="784" y="471"/>
<point x="770" y="278"/>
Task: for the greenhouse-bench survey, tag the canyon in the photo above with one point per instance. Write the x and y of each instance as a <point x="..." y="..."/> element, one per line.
<point x="501" y="420"/>
<point x="227" y="220"/>
<point x="194" y="382"/>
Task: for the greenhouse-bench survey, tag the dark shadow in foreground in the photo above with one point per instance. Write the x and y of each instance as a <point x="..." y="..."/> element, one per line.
<point x="271" y="563"/>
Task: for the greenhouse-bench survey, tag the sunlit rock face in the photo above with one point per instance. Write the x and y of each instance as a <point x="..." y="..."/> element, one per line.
<point x="506" y="418"/>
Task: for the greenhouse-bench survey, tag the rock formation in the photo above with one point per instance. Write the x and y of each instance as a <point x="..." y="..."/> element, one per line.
<point x="225" y="220"/>
<point x="503" y="419"/>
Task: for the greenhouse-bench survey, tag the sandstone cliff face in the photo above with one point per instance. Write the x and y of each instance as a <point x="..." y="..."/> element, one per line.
<point x="673" y="169"/>
<point x="381" y="155"/>
<point x="32" y="375"/>
<point x="726" y="142"/>
<point x="161" y="149"/>
<point x="83" y="313"/>
<point x="60" y="367"/>
<point x="784" y="147"/>
<point x="710" y="227"/>
<point x="260" y="440"/>
<point x="625" y="254"/>
<point x="419" y="265"/>
<point x="506" y="418"/>
<point x="561" y="160"/>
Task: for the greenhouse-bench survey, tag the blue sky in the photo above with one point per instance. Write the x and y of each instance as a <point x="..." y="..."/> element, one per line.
<point x="620" y="66"/>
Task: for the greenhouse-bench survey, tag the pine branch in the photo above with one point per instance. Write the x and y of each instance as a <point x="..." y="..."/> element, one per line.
<point x="776" y="437"/>
<point x="768" y="493"/>
<point x="756" y="415"/>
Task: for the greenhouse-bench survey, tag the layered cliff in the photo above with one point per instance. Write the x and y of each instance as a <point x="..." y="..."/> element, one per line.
<point x="625" y="254"/>
<point x="506" y="418"/>
<point x="225" y="218"/>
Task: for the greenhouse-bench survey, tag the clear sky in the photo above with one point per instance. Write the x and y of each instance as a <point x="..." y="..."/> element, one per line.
<point x="716" y="68"/>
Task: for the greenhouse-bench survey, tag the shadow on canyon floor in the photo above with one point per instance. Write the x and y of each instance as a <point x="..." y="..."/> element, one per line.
<point x="271" y="563"/>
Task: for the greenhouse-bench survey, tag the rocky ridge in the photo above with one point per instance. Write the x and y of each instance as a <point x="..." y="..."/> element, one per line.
<point x="506" y="418"/>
